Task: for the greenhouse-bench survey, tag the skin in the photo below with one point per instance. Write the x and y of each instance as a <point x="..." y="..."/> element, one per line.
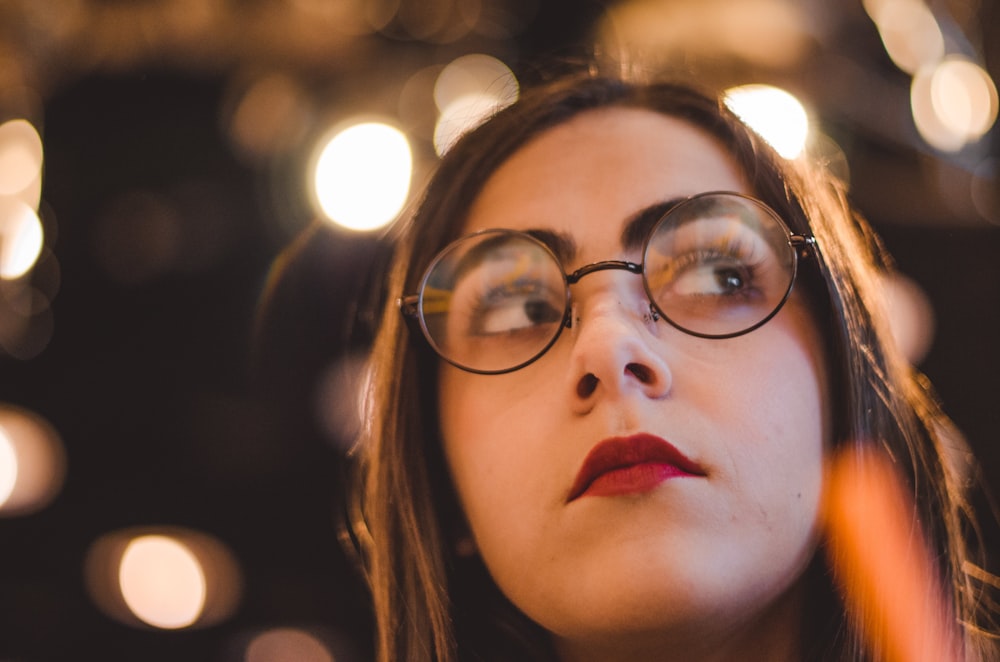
<point x="698" y="568"/>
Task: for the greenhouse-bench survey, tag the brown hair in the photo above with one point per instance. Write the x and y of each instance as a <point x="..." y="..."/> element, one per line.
<point x="432" y="604"/>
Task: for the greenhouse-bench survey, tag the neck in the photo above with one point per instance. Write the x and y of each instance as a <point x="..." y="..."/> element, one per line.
<point x="774" y="635"/>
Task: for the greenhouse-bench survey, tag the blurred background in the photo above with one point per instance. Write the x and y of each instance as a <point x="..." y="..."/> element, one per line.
<point x="196" y="205"/>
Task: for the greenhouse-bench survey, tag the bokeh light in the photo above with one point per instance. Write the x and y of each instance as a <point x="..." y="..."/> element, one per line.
<point x="21" y="238"/>
<point x="776" y="115"/>
<point x="828" y="154"/>
<point x="953" y="103"/>
<point x="362" y="176"/>
<point x="416" y="108"/>
<point x="27" y="322"/>
<point x="475" y="74"/>
<point x="931" y="128"/>
<point x="287" y="645"/>
<point x="342" y="399"/>
<point x="162" y="582"/>
<point x="163" y="577"/>
<point x="910" y="33"/>
<point x="268" y="115"/>
<point x="766" y="33"/>
<point x="379" y="13"/>
<point x="881" y="562"/>
<point x="461" y="116"/>
<point x="8" y="468"/>
<point x="21" y="162"/>
<point x="911" y="316"/>
<point x="32" y="462"/>
<point x="429" y="21"/>
<point x="438" y="21"/>
<point x="467" y="91"/>
<point x="964" y="97"/>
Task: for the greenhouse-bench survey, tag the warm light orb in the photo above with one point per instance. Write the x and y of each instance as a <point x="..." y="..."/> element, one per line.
<point x="162" y="582"/>
<point x="475" y="74"/>
<point x="362" y="176"/>
<point x="268" y="115"/>
<point x="21" y="238"/>
<point x="20" y="161"/>
<point x="8" y="468"/>
<point x="910" y="33"/>
<point x="342" y="399"/>
<point x="777" y="116"/>
<point x="32" y="462"/>
<point x="910" y="315"/>
<point x="287" y="645"/>
<point x="467" y="92"/>
<point x="935" y="132"/>
<point x="953" y="104"/>
<point x="461" y="116"/>
<point x="163" y="576"/>
<point x="964" y="97"/>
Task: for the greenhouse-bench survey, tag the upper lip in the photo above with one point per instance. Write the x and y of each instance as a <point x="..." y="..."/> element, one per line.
<point x="619" y="452"/>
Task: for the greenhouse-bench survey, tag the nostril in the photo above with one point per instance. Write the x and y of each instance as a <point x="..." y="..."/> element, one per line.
<point x="586" y="386"/>
<point x="641" y="372"/>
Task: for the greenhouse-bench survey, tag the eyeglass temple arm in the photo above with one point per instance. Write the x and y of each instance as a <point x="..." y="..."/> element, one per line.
<point x="804" y="244"/>
<point x="408" y="305"/>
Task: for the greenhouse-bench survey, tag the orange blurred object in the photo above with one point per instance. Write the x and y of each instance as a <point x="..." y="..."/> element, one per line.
<point x="882" y="562"/>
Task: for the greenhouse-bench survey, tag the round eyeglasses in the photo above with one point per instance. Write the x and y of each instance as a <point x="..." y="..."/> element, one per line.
<point x="716" y="265"/>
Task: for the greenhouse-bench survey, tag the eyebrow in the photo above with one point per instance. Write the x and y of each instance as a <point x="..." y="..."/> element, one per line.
<point x="637" y="227"/>
<point x="640" y="224"/>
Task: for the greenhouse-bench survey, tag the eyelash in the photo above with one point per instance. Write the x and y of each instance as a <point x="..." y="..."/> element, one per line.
<point x="726" y="248"/>
<point x="482" y="302"/>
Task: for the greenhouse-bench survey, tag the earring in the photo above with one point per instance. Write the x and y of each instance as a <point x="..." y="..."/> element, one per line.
<point x="652" y="315"/>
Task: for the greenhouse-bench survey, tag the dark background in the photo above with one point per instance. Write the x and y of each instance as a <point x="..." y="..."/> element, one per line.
<point x="184" y="381"/>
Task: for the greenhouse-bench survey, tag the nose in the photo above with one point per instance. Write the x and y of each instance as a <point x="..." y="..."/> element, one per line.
<point x="614" y="344"/>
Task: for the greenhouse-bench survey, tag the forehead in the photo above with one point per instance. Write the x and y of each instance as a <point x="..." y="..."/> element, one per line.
<point x="587" y="176"/>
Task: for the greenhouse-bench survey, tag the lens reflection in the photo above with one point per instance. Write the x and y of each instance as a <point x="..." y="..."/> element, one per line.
<point x="718" y="265"/>
<point x="494" y="300"/>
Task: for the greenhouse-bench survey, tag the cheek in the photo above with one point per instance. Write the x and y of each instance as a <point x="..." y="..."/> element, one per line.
<point x="478" y="417"/>
<point x="466" y="428"/>
<point x="493" y="437"/>
<point x="785" y="401"/>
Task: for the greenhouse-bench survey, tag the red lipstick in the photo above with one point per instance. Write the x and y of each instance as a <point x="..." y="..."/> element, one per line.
<point x="630" y="465"/>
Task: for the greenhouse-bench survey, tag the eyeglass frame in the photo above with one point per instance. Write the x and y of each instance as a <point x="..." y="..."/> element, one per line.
<point x="802" y="245"/>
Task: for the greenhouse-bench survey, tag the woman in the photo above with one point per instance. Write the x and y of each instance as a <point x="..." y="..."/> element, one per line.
<point x="628" y="338"/>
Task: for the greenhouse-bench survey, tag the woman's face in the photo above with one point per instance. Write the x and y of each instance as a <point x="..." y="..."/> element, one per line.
<point x="696" y="545"/>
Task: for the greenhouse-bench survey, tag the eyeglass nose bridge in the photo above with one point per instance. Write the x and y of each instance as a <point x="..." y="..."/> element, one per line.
<point x="606" y="265"/>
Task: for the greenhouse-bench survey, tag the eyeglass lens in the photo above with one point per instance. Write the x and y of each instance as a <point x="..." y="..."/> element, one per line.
<point x="716" y="265"/>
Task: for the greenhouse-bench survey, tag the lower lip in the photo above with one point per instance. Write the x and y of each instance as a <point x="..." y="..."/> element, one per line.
<point x="634" y="479"/>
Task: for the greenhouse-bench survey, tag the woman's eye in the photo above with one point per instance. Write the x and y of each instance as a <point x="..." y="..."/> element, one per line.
<point x="713" y="276"/>
<point x="517" y="309"/>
